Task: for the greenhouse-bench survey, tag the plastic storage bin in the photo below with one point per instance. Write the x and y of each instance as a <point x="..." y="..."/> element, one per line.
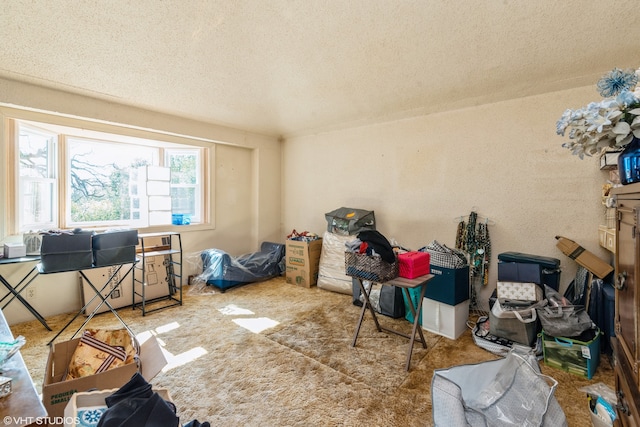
<point x="114" y="247"/>
<point x="579" y="356"/>
<point x="449" y="285"/>
<point x="450" y="321"/>
<point x="66" y="251"/>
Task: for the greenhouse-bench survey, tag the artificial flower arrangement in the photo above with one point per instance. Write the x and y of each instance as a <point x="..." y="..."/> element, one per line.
<point x="609" y="124"/>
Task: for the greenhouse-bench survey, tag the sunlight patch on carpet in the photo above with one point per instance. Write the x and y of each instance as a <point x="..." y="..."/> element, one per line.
<point x="168" y="327"/>
<point x="234" y="310"/>
<point x="183" y="358"/>
<point x="256" y="325"/>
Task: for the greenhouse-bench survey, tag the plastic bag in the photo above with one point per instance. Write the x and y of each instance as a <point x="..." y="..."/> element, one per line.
<point x="504" y="392"/>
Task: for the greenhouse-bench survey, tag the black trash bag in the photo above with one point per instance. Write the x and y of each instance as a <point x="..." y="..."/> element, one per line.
<point x="135" y="404"/>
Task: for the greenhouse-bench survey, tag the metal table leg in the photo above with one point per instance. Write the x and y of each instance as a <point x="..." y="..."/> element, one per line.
<point x="366" y="304"/>
<point x="15" y="291"/>
<point x="416" y="320"/>
<point x="98" y="294"/>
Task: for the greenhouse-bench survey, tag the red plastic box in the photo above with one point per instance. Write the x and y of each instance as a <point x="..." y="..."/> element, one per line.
<point x="413" y="264"/>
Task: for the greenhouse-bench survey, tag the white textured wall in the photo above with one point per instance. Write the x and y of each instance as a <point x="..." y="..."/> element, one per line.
<point x="246" y="177"/>
<point x="421" y="175"/>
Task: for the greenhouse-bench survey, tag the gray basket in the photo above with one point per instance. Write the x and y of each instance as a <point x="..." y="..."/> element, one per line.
<point x="371" y="268"/>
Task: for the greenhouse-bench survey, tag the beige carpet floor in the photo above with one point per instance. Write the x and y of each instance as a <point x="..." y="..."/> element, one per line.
<point x="274" y="354"/>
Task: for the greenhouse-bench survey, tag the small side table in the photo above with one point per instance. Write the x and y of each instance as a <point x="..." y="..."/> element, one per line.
<point x="405" y="284"/>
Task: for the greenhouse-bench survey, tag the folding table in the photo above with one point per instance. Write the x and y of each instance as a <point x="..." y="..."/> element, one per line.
<point x="15" y="291"/>
<point x="98" y="294"/>
<point x="405" y="284"/>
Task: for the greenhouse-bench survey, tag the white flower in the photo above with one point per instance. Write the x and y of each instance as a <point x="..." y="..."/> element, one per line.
<point x="609" y="123"/>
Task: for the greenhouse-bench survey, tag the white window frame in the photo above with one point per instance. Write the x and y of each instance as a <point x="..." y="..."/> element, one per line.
<point x="159" y="140"/>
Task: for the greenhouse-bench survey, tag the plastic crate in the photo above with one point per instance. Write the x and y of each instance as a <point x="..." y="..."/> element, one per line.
<point x="572" y="355"/>
<point x="369" y="267"/>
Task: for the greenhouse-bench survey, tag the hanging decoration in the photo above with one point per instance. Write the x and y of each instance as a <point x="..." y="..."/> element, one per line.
<point x="472" y="238"/>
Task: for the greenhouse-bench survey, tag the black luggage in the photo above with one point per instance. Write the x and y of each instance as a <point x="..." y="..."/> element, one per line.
<point x="388" y="301"/>
<point x="550" y="267"/>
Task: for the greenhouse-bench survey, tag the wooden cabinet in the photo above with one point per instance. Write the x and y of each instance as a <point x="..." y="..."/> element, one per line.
<point x="627" y="302"/>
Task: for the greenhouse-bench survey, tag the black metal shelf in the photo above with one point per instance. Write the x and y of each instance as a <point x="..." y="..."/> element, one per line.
<point x="171" y="250"/>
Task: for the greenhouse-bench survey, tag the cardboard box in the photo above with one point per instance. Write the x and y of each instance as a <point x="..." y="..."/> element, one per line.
<point x="155" y="286"/>
<point x="609" y="160"/>
<point x="449" y="285"/>
<point x="114" y="247"/>
<point x="443" y="319"/>
<point x="157" y="277"/>
<point x="14" y="250"/>
<point x="56" y="392"/>
<point x="302" y="262"/>
<point x="583" y="257"/>
<point x="96" y="400"/>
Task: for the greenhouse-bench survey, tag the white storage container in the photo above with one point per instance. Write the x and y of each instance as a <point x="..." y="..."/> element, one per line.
<point x="443" y="319"/>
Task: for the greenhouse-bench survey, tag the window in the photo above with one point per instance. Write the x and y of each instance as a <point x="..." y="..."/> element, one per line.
<point x="71" y="177"/>
<point x="37" y="174"/>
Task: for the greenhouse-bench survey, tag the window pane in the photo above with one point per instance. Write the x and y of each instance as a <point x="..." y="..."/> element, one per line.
<point x="183" y="164"/>
<point x="37" y="195"/>
<point x="38" y="205"/>
<point x="35" y="153"/>
<point x="183" y="200"/>
<point x="185" y="183"/>
<point x="100" y="179"/>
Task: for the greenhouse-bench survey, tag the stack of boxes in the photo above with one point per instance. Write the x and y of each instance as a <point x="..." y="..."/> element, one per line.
<point x="519" y="291"/>
<point x="343" y="225"/>
<point x="445" y="308"/>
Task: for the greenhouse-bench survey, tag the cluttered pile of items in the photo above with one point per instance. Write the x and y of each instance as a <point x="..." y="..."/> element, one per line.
<point x="569" y="331"/>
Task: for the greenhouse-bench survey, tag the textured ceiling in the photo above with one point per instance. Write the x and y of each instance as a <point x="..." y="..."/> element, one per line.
<point x="286" y="68"/>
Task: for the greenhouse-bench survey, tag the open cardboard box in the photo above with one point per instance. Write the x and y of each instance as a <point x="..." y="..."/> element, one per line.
<point x="56" y="392"/>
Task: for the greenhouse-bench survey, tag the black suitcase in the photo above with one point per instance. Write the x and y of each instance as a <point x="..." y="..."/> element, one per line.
<point x="550" y="266"/>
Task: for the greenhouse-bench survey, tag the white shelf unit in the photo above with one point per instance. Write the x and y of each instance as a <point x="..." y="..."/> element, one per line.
<point x="168" y="246"/>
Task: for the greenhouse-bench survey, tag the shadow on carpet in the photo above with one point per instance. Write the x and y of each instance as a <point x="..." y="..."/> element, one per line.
<point x="378" y="359"/>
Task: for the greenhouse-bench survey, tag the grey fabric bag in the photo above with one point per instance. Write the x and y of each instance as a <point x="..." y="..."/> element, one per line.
<point x="499" y="393"/>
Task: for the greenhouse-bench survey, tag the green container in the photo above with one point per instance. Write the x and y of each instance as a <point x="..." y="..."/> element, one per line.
<point x="572" y="355"/>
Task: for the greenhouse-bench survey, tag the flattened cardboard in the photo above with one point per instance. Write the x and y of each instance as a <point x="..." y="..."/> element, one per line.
<point x="583" y="257"/>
